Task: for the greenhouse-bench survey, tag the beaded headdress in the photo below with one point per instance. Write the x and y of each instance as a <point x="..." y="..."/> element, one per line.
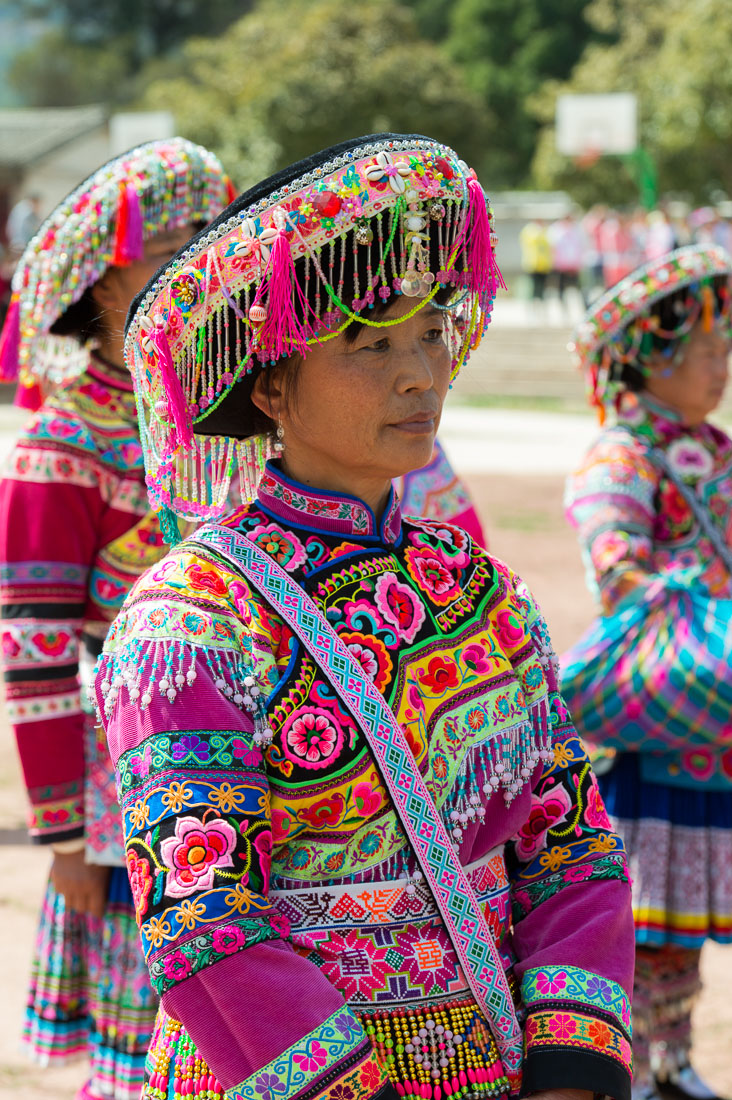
<point x="294" y="261"/>
<point x="628" y="323"/>
<point x="159" y="186"/>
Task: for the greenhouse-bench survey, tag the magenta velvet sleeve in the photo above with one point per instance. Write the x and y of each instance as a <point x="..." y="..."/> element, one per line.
<point x="48" y="536"/>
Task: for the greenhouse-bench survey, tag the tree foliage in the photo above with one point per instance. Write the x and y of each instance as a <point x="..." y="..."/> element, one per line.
<point x="675" y="56"/>
<point x="92" y="50"/>
<point x="290" y="78"/>
<point x="507" y="49"/>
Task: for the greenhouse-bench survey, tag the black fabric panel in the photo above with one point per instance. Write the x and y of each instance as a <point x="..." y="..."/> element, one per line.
<point x="574" y="1069"/>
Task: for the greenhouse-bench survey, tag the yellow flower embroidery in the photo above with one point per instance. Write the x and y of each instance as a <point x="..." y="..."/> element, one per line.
<point x="603" y="843"/>
<point x="239" y="898"/>
<point x="188" y="913"/>
<point x="157" y="931"/>
<point x="176" y="797"/>
<point x="140" y="814"/>
<point x="563" y="755"/>
<point x="554" y="858"/>
<point x="226" y="797"/>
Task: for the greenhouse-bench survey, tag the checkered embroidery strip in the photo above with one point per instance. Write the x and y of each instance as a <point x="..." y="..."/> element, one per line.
<point x="461" y="912"/>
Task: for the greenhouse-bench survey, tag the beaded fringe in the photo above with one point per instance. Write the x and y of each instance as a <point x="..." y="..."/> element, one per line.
<point x="144" y="668"/>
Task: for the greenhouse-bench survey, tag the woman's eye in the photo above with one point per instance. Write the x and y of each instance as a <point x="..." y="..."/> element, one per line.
<point x="379" y="346"/>
<point x="434" y="335"/>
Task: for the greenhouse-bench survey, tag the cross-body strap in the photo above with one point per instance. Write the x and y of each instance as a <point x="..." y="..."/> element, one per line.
<point x="461" y="912"/>
<point x="698" y="507"/>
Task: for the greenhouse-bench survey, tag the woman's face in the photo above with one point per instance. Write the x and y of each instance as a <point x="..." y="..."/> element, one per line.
<point x="696" y="385"/>
<point x="365" y="412"/>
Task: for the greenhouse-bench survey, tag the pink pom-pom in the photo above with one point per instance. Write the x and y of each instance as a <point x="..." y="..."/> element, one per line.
<point x="128" y="242"/>
<point x="9" y="341"/>
<point x="179" y="412"/>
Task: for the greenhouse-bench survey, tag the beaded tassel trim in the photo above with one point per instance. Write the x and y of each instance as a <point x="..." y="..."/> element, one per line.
<point x="146" y="668"/>
<point x="234" y="300"/>
<point x="438" y="1051"/>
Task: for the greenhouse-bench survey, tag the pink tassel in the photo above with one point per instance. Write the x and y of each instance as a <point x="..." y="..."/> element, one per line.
<point x="182" y="422"/>
<point x="128" y="243"/>
<point x="282" y="332"/>
<point x="483" y="272"/>
<point x="28" y="395"/>
<point x="9" y="340"/>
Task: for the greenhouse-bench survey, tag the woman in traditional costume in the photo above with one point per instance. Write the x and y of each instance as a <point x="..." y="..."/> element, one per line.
<point x="650" y="682"/>
<point x="367" y="850"/>
<point x="76" y="531"/>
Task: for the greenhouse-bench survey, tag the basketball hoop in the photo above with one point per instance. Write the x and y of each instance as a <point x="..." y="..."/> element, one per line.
<point x="591" y="126"/>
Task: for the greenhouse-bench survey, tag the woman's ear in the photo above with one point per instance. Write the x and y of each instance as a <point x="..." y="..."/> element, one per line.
<point x="267" y="393"/>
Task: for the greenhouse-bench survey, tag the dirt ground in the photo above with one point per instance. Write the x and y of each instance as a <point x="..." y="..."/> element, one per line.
<point x="523" y="516"/>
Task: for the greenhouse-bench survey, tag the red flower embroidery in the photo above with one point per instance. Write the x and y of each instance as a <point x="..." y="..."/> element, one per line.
<point x="441" y="674"/>
<point x="207" y="580"/>
<point x="325" y="812"/>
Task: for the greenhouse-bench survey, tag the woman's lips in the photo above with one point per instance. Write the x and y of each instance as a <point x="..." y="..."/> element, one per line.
<point x="417" y="425"/>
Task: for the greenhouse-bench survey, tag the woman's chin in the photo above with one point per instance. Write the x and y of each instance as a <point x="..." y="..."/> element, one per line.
<point x="413" y="453"/>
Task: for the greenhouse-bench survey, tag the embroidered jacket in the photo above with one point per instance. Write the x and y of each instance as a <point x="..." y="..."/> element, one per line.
<point x="632" y="522"/>
<point x="653" y="674"/>
<point x="75" y="532"/>
<point x="283" y="918"/>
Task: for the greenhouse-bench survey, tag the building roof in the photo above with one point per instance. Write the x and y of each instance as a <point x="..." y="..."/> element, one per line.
<point x="27" y="134"/>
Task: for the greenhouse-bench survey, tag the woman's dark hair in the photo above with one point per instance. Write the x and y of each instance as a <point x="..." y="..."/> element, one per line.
<point x="82" y="320"/>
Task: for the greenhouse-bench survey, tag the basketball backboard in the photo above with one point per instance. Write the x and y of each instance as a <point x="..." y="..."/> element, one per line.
<point x="596" y="124"/>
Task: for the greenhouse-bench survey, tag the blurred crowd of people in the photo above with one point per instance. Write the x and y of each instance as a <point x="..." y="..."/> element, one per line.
<point x="592" y="251"/>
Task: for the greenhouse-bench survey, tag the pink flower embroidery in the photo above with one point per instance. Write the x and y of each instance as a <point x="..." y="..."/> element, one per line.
<point x="176" y="966"/>
<point x="313" y="1060"/>
<point x="141" y="883"/>
<point x="400" y="606"/>
<point x="368" y="801"/>
<point x="283" y="546"/>
<point x="195" y="852"/>
<point x="432" y="575"/>
<point x="563" y="1026"/>
<point x="474" y="657"/>
<point x="371" y="654"/>
<point x="548" y="984"/>
<point x="228" y="939"/>
<point x="510" y="629"/>
<point x="311" y="739"/>
<point x="546" y="810"/>
<point x="595" y="812"/>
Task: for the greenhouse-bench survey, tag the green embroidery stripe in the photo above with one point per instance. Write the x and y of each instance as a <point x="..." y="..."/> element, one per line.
<point x="208" y="948"/>
<point x="302" y="1064"/>
<point x="531" y="894"/>
<point x="569" y="983"/>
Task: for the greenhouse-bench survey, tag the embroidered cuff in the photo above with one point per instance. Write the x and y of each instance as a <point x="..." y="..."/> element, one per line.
<point x="333" y="1061"/>
<point x="560" y="987"/>
<point x="58" y="817"/>
<point x="578" y="1032"/>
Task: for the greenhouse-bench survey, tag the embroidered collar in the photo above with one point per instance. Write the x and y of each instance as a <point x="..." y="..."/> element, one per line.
<point x="325" y="511"/>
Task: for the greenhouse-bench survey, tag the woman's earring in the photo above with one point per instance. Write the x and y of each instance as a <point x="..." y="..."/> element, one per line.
<point x="279" y="445"/>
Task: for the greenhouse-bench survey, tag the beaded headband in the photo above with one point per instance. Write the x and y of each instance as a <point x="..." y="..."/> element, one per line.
<point x="159" y="186"/>
<point x="621" y="327"/>
<point x="291" y="263"/>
